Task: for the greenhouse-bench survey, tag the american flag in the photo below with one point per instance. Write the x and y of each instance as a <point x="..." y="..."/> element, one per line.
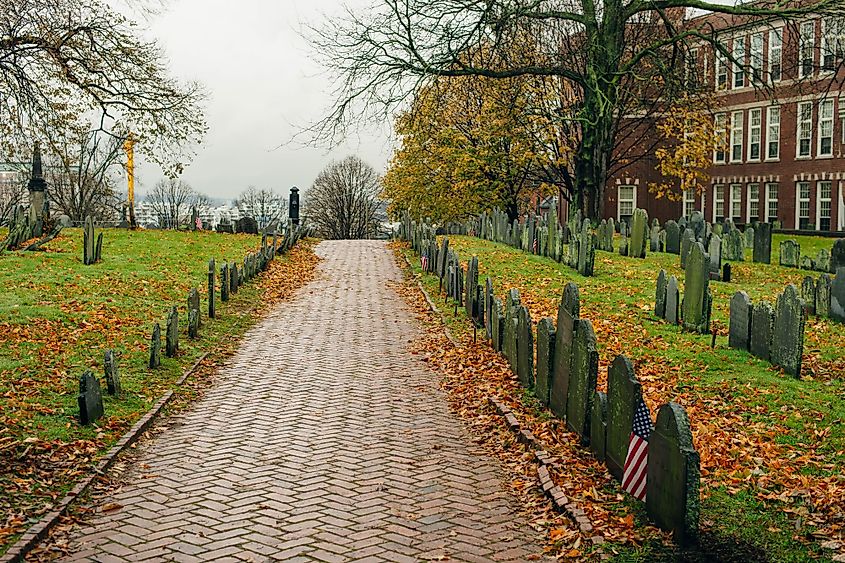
<point x="534" y="245"/>
<point x="634" y="476"/>
<point x="424" y="262"/>
<point x="199" y="223"/>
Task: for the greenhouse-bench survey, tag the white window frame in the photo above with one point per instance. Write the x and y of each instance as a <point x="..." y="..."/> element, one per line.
<point x="772" y="188"/>
<point x="619" y="200"/>
<point x="720" y="72"/>
<point x="691" y="69"/>
<point x="819" y="200"/>
<point x="735" y="203"/>
<point x="755" y="131"/>
<point x="689" y="202"/>
<point x="806" y="48"/>
<point x="833" y="43"/>
<point x="799" y="200"/>
<point x="718" y="203"/>
<point x="738" y="53"/>
<point x="755" y="57"/>
<point x="825" y="127"/>
<point x="773" y="132"/>
<point x="804" y="129"/>
<point x="776" y="55"/>
<point x="737" y="133"/>
<point x="749" y="200"/>
<point x="720" y="124"/>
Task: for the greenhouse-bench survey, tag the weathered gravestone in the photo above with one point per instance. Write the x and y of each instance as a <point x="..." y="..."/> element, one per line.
<point x="155" y="347"/>
<point x="234" y="278"/>
<point x="224" y="283"/>
<point x="698" y="226"/>
<point x="762" y="322"/>
<point x="582" y="381"/>
<point x="748" y="237"/>
<point x="715" y="253"/>
<point x="687" y="241"/>
<point x="90" y="399"/>
<point x="726" y="273"/>
<point x="654" y="237"/>
<point x="673" y="475"/>
<point x="823" y="260"/>
<point x="623" y="395"/>
<point x="497" y="323"/>
<point x="525" y="348"/>
<point x="598" y="426"/>
<point x="112" y="373"/>
<point x="733" y="246"/>
<point x="488" y="308"/>
<point x="808" y="294"/>
<point x="171" y="340"/>
<point x="837" y="255"/>
<point x="673" y="238"/>
<point x="545" y="359"/>
<point x="441" y="258"/>
<point x="471" y="288"/>
<point x="823" y="296"/>
<point x="790" y="253"/>
<point x="660" y="295"/>
<point x="623" y="246"/>
<point x="567" y="315"/>
<point x="193" y="324"/>
<point x="763" y="243"/>
<point x="807" y="263"/>
<point x="511" y="327"/>
<point x="194" y="303"/>
<point x="673" y="301"/>
<point x="586" y="251"/>
<point x="639" y="234"/>
<point x="739" y="332"/>
<point x="212" y="270"/>
<point x="697" y="302"/>
<point x="788" y="337"/>
<point x="837" y="296"/>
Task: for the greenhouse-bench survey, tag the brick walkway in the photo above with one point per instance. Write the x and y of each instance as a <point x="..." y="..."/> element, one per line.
<point x="323" y="440"/>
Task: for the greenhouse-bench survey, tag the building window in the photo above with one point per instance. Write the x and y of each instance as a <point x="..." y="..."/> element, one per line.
<point x="753" y="203"/>
<point x="775" y="54"/>
<point x="627" y="198"/>
<point x="805" y="129"/>
<point x="721" y="67"/>
<point x="803" y="208"/>
<point x="721" y="127"/>
<point x="689" y="202"/>
<point x="824" y="191"/>
<point x="755" y="133"/>
<point x="773" y="134"/>
<point x="739" y="57"/>
<point x="833" y="42"/>
<point x="806" y="44"/>
<point x="825" y="128"/>
<point x="736" y="136"/>
<point x="756" y="57"/>
<point x="692" y="69"/>
<point x="736" y="201"/>
<point x="771" y="202"/>
<point x="718" y="203"/>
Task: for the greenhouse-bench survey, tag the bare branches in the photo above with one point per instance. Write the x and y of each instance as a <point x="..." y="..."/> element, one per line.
<point x="343" y="201"/>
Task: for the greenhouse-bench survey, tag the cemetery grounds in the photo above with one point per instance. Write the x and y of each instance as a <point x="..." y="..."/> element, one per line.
<point x="772" y="447"/>
<point x="57" y="319"/>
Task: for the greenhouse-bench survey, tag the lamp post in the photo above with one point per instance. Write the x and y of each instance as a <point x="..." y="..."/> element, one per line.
<point x="293" y="211"/>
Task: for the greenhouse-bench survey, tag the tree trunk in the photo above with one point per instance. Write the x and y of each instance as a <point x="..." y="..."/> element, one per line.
<point x="593" y="155"/>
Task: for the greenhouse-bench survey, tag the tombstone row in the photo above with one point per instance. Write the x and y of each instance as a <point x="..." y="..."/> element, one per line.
<point x="733" y="242"/>
<point x="825" y="297"/>
<point x="694" y="310"/>
<point x="828" y="261"/>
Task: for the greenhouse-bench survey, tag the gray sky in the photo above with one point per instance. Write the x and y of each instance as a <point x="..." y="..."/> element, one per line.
<point x="264" y="85"/>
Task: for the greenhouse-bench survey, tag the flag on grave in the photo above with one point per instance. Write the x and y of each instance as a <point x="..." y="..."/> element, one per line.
<point x="424" y="263"/>
<point x="634" y="476"/>
<point x="534" y="246"/>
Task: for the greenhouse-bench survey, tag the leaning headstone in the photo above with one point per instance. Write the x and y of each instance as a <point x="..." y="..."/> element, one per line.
<point x="155" y="347"/>
<point x="788" y="336"/>
<point x="525" y="348"/>
<point x="112" y="373"/>
<point x="763" y="243"/>
<point x="639" y="234"/>
<point x="660" y="295"/>
<point x="171" y="340"/>
<point x="739" y="332"/>
<point x="687" y="240"/>
<point x="698" y="301"/>
<point x="90" y="399"/>
<point x="582" y="383"/>
<point x="790" y="253"/>
<point x="623" y="395"/>
<point x="545" y="359"/>
<point x="673" y="301"/>
<point x="567" y="315"/>
<point x="808" y="294"/>
<point x="673" y="475"/>
<point x="212" y="270"/>
<point x="823" y="288"/>
<point x="837" y="296"/>
<point x="673" y="238"/>
<point x="598" y="426"/>
<point x="762" y="323"/>
<point x="837" y="255"/>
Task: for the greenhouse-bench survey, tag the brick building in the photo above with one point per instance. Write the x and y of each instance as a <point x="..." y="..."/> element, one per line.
<point x="783" y="152"/>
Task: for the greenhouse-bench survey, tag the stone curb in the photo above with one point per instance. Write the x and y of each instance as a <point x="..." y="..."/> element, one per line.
<point x="38" y="531"/>
<point x="433" y="307"/>
<point x="560" y="502"/>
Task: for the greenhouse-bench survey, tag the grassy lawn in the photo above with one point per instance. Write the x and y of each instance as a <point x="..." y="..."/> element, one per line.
<point x="772" y="447"/>
<point x="58" y="317"/>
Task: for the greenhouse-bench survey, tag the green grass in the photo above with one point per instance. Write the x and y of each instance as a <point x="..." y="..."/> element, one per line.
<point x="760" y="433"/>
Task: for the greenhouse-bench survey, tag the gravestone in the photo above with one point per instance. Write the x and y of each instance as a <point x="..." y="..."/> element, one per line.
<point x="224" y="283"/>
<point x="837" y="296"/>
<point x="660" y="295"/>
<point x="808" y="294"/>
<point x="194" y="303"/>
<point x="654" y="238"/>
<point x="112" y="373"/>
<point x="762" y="323"/>
<point x="525" y="348"/>
<point x="598" y="426"/>
<point x="193" y="324"/>
<point x="586" y="251"/>
<point x="171" y="345"/>
<point x="790" y="253"/>
<point x="733" y="246"/>
<point x="511" y="330"/>
<point x="155" y="347"/>
<point x="488" y="307"/>
<point x="673" y="238"/>
<point x="639" y="234"/>
<point x="748" y="237"/>
<point x="763" y="243"/>
<point x="90" y="399"/>
<point x="234" y="278"/>
<point x="673" y="475"/>
<point x="673" y="301"/>
<point x="823" y="296"/>
<point x="582" y="382"/>
<point x="687" y="240"/>
<point x="697" y="225"/>
<point x="715" y="253"/>
<point x="545" y="359"/>
<point x="807" y="263"/>
<point x="212" y="270"/>
<point x="697" y="299"/>
<point x="471" y="287"/>
<point x="837" y="255"/>
<point x="623" y="394"/>
<point x="788" y="336"/>
<point x="497" y="324"/>
<point x="567" y="314"/>
<point x="623" y="246"/>
<point x="823" y="260"/>
<point x="739" y="332"/>
<point x="246" y="225"/>
<point x="441" y="258"/>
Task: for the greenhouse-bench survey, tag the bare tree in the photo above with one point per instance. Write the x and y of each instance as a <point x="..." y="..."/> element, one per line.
<point x="264" y="205"/>
<point x="171" y="200"/>
<point x="343" y="201"/>
<point x="12" y="186"/>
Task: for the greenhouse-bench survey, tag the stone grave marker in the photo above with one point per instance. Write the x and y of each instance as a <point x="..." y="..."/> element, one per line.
<point x="673" y="478"/>
<point x="511" y="327"/>
<point x="471" y="287"/>
<point x="112" y="373"/>
<point x="697" y="225"/>
<point x="639" y="234"/>
<point x="654" y="237"/>
<point x="212" y="271"/>
<point x="234" y="278"/>
<point x="762" y="321"/>
<point x="598" y="426"/>
<point x="488" y="307"/>
<point x="171" y="345"/>
<point x="660" y="295"/>
<point x="715" y="253"/>
<point x="567" y="315"/>
<point x="224" y="283"/>
<point x="749" y="237"/>
<point x="733" y="246"/>
<point x="586" y="251"/>
<point x="807" y="263"/>
<point x="623" y="394"/>
<point x="497" y="324"/>
<point x="90" y="399"/>
<point x="788" y="336"/>
<point x="525" y="348"/>
<point x="194" y="302"/>
<point x="673" y="238"/>
<point x="687" y="240"/>
<point x="697" y="299"/>
<point x="193" y="324"/>
<point x="790" y="253"/>
<point x="837" y="296"/>
<point x="763" y="243"/>
<point x="823" y="260"/>
<point x="837" y="255"/>
<point x="155" y="347"/>
<point x="726" y="273"/>
<point x="582" y="382"/>
<point x="739" y="332"/>
<point x="673" y="301"/>
<point x="808" y="294"/>
<point x="545" y="359"/>
<point x="823" y="295"/>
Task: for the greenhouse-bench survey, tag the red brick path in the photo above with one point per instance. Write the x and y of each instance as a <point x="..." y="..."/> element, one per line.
<point x="323" y="440"/>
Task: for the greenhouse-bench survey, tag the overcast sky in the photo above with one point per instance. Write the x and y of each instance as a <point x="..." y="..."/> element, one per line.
<point x="264" y="85"/>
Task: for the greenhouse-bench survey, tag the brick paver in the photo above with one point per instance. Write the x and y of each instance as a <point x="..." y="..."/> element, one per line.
<point x="323" y="440"/>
